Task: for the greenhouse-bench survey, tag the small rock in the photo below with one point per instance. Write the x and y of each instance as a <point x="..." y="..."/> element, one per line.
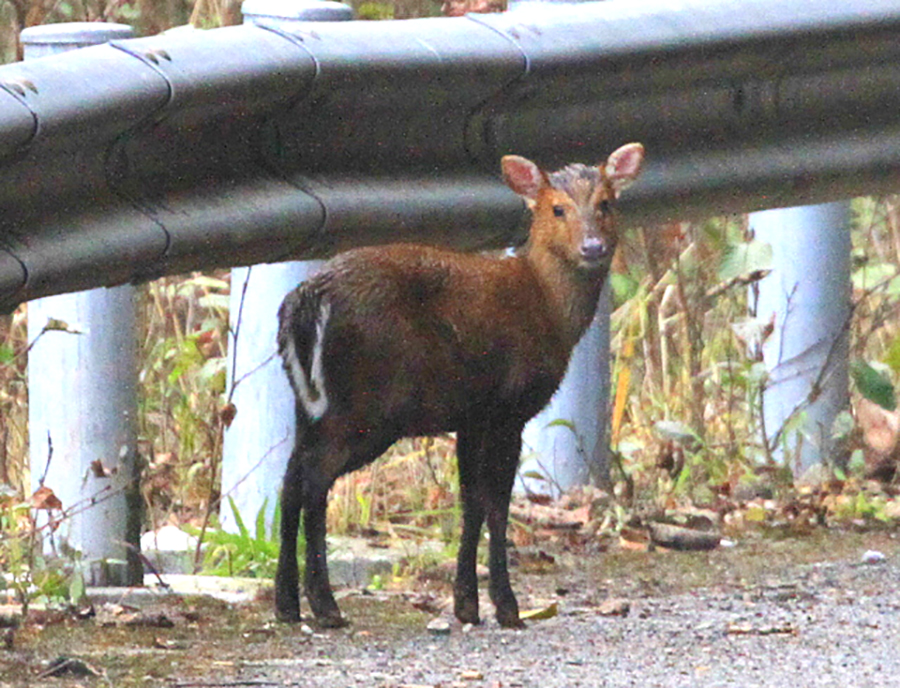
<point x="438" y="626"/>
<point x="614" y="606"/>
<point x="873" y="556"/>
<point x="306" y="630"/>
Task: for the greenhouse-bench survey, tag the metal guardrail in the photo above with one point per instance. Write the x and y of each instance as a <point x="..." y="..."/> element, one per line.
<point x="198" y="149"/>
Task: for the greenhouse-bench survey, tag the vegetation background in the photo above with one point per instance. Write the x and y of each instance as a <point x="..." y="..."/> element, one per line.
<point x="687" y="375"/>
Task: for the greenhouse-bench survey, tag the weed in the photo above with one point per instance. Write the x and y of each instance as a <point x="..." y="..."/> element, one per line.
<point x="28" y="575"/>
<point x="182" y="378"/>
<point x="254" y="555"/>
<point x="13" y="401"/>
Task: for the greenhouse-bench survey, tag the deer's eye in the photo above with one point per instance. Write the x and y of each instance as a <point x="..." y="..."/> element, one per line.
<point x="559" y="211"/>
<point x="604" y="207"/>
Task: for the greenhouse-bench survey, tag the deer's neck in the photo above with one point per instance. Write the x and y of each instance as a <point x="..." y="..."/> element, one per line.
<point x="571" y="292"/>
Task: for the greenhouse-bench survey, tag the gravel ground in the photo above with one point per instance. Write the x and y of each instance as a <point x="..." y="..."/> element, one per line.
<point x="827" y="624"/>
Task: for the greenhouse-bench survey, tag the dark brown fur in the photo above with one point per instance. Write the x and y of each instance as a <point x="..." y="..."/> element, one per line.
<point x="421" y="340"/>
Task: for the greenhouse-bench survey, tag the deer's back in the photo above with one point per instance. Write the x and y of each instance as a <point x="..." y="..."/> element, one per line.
<point x="428" y="339"/>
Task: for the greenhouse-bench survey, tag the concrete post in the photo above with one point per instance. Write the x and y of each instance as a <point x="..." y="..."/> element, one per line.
<point x="82" y="392"/>
<point x="808" y="293"/>
<point x="566" y="444"/>
<point x="258" y="443"/>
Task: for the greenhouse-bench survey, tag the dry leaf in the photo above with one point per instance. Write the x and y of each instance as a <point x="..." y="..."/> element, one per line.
<point x="45" y="499"/>
<point x="56" y="325"/>
<point x="227" y="414"/>
<point x="634" y="539"/>
<point x="542" y="499"/>
<point x="744" y="628"/>
<point x="881" y="430"/>
<point x="547" y="612"/>
<point x="632" y="545"/>
<point x="99" y="470"/>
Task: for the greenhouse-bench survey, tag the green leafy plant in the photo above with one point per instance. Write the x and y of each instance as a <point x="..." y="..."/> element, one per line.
<point x="26" y="573"/>
<point x="861" y="507"/>
<point x="874" y="385"/>
<point x="245" y="553"/>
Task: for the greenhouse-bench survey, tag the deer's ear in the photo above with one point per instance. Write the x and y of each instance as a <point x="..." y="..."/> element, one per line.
<point x="623" y="166"/>
<point x="523" y="176"/>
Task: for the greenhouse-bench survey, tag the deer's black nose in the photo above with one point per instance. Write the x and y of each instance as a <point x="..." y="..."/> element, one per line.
<point x="593" y="249"/>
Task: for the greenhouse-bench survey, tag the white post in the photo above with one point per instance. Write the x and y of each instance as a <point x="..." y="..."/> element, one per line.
<point x="258" y="443"/>
<point x="566" y="443"/>
<point x="808" y="295"/>
<point x="82" y="401"/>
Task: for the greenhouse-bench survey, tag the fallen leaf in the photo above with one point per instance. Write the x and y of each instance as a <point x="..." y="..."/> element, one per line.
<point x="635" y="539"/>
<point x="547" y="612"/>
<point x="632" y="545"/>
<point x="471" y="675"/>
<point x="744" y="628"/>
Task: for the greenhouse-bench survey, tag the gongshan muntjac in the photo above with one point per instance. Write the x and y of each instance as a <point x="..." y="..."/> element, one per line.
<point x="401" y="340"/>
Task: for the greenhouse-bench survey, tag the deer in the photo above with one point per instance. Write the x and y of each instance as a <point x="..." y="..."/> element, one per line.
<point x="402" y="340"/>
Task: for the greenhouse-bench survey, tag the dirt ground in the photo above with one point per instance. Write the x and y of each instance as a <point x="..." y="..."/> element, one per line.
<point x="766" y="612"/>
